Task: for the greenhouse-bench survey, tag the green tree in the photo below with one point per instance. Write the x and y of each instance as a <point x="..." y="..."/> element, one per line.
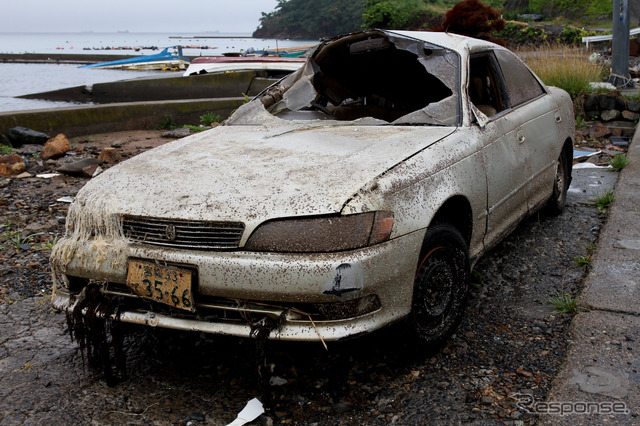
<point x="396" y="14"/>
<point x="304" y="19"/>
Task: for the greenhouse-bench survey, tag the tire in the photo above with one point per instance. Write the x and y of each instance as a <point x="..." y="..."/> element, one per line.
<point x="441" y="285"/>
<point x="561" y="182"/>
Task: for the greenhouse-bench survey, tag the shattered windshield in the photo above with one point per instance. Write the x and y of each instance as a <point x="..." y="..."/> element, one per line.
<point x="371" y="78"/>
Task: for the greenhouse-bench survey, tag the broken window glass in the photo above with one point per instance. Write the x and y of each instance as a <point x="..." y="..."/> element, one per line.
<point x="378" y="76"/>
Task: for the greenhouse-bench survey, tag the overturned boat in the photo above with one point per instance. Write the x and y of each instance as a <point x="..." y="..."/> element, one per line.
<point x="216" y="64"/>
<point x="169" y="59"/>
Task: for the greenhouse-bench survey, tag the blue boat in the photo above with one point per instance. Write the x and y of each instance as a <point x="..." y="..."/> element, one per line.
<point x="165" y="60"/>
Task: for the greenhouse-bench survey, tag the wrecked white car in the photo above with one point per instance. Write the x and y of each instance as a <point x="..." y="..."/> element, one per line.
<point x="356" y="192"/>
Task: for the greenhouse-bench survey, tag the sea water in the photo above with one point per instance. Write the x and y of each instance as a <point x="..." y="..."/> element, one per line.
<point x="22" y="79"/>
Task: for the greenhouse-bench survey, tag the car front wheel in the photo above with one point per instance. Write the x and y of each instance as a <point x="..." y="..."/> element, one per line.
<point x="441" y="285"/>
<point x="558" y="199"/>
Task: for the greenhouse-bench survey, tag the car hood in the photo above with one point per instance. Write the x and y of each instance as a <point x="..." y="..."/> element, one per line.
<point x="255" y="173"/>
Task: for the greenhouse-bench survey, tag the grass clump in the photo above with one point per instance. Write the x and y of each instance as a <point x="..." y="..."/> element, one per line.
<point x="209" y="118"/>
<point x="582" y="261"/>
<point x="631" y="96"/>
<point x="564" y="67"/>
<point x="618" y="162"/>
<point x="48" y="244"/>
<point x="564" y="303"/>
<point x="166" y="123"/>
<point x="5" y="149"/>
<point x="17" y="238"/>
<point x="603" y="201"/>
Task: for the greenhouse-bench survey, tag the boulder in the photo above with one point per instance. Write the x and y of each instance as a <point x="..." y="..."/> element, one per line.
<point x="55" y="147"/>
<point x="19" y="136"/>
<point x="610" y="114"/>
<point x="18" y="168"/>
<point x="599" y="130"/>
<point x="11" y="164"/>
<point x="90" y="171"/>
<point x="176" y="133"/>
<point x="78" y="168"/>
<point x="109" y="156"/>
<point x="591" y="103"/>
<point x="29" y="149"/>
<point x="633" y="106"/>
<point x="607" y="102"/>
<point x="630" y="116"/>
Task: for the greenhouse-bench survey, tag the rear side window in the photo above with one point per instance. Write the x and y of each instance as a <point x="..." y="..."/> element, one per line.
<point x="521" y="85"/>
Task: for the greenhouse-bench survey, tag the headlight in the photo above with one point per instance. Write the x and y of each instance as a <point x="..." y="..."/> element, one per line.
<point x="322" y="234"/>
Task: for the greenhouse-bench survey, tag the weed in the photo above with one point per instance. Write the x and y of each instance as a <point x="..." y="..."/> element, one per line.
<point x="26" y="367"/>
<point x="166" y="123"/>
<point x="194" y="129"/>
<point x="564" y="67"/>
<point x="573" y="35"/>
<point x="477" y="278"/>
<point x="17" y="238"/>
<point x="45" y="299"/>
<point x="10" y="301"/>
<point x="631" y="96"/>
<point x="580" y="122"/>
<point x="209" y="118"/>
<point x="590" y="248"/>
<point x="48" y="244"/>
<point x="582" y="261"/>
<point x="618" y="162"/>
<point x="564" y="303"/>
<point x="603" y="201"/>
<point x="5" y="149"/>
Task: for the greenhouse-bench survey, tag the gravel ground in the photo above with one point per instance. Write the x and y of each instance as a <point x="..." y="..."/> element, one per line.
<point x="510" y="341"/>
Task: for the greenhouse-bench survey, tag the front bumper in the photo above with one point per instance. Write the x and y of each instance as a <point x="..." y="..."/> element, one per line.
<point x="234" y="291"/>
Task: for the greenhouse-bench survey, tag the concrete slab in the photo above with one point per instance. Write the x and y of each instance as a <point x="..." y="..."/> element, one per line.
<point x="600" y="381"/>
<point x="614" y="281"/>
<point x="587" y="183"/>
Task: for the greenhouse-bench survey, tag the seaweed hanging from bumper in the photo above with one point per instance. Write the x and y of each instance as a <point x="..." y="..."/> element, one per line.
<point x="99" y="336"/>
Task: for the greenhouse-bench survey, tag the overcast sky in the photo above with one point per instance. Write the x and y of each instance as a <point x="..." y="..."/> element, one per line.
<point x="132" y="15"/>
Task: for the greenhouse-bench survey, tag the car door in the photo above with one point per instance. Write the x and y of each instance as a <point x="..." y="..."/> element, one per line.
<point x="504" y="153"/>
<point x="538" y="131"/>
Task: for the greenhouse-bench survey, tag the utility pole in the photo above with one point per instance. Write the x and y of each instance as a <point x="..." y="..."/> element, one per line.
<point x="620" y="73"/>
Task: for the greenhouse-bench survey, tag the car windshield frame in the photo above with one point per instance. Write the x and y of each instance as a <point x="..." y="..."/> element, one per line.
<point x="305" y="96"/>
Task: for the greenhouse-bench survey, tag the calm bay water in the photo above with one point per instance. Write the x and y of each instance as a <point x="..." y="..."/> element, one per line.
<point x="23" y="79"/>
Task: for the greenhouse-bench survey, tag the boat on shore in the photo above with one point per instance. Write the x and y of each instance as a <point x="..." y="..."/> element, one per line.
<point x="169" y="59"/>
<point x="217" y="64"/>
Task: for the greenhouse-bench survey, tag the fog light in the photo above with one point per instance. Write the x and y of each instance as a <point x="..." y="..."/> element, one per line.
<point x="350" y="309"/>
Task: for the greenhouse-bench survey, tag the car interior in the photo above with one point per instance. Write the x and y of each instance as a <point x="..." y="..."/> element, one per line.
<point x="485" y="89"/>
<point x="367" y="75"/>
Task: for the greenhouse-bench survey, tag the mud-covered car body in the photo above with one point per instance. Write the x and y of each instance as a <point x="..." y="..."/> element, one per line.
<point x="316" y="209"/>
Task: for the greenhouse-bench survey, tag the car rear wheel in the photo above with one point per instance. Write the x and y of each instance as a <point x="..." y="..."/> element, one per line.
<point x="558" y="199"/>
<point x="441" y="285"/>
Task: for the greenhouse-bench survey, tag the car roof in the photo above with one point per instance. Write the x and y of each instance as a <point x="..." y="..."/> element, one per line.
<point x="451" y="41"/>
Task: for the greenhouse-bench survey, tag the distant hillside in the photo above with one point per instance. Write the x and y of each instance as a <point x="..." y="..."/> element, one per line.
<point x="575" y="9"/>
<point x="307" y="19"/>
<point x="314" y="19"/>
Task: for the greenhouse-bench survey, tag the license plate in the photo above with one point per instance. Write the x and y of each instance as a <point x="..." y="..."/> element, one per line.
<point x="164" y="284"/>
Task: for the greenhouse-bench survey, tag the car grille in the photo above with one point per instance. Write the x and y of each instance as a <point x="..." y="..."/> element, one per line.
<point x="194" y="234"/>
